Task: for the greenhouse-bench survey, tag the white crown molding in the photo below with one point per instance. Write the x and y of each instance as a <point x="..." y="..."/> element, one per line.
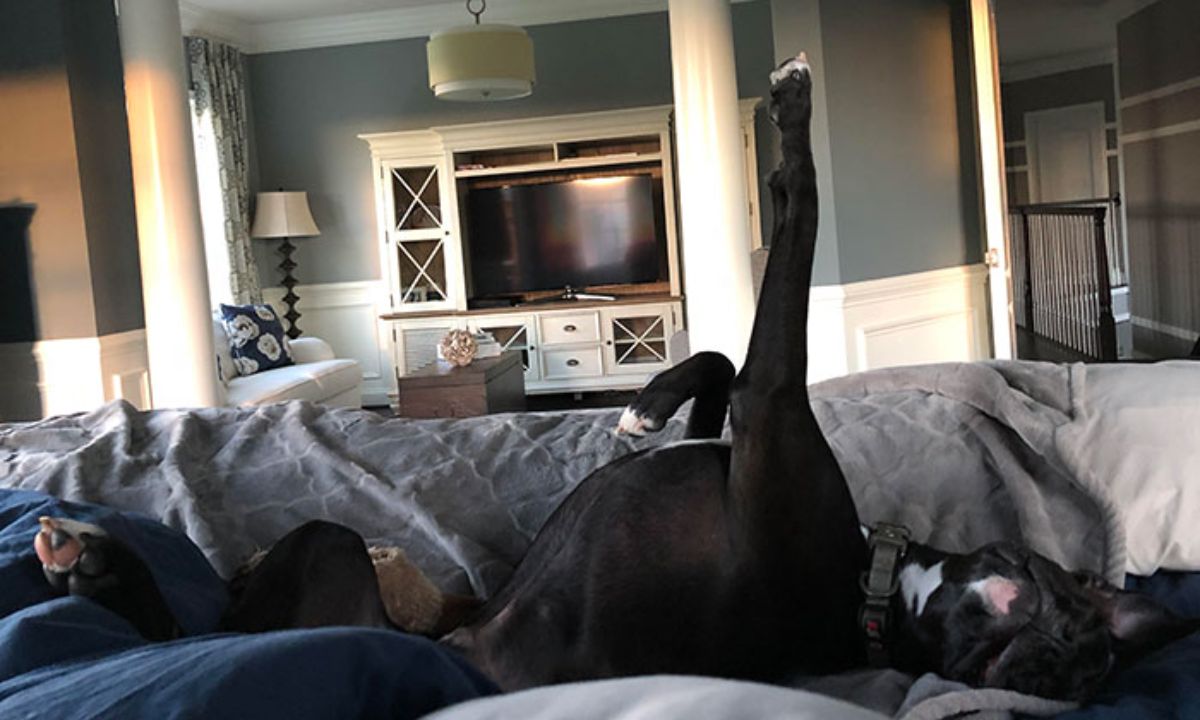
<point x="420" y="22"/>
<point x="1040" y="67"/>
<point x="195" y="20"/>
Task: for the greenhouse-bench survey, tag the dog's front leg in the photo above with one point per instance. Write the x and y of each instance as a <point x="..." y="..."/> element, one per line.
<point x="705" y="377"/>
<point x="794" y="518"/>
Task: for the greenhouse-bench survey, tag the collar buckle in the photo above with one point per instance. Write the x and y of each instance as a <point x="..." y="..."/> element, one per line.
<point x="887" y="543"/>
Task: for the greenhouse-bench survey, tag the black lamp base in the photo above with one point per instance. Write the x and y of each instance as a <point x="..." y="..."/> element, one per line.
<point x="289" y="282"/>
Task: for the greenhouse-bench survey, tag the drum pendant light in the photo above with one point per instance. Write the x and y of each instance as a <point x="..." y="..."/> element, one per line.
<point x="480" y="62"/>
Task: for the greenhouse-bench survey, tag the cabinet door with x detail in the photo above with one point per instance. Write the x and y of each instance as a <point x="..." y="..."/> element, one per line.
<point x="637" y="339"/>
<point x="421" y="236"/>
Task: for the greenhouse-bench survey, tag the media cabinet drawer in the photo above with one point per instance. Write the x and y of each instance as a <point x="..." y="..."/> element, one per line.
<point x="566" y="363"/>
<point x="578" y="328"/>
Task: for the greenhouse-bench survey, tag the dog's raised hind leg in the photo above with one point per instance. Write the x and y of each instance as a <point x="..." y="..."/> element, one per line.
<point x="705" y="376"/>
<point x="793" y="515"/>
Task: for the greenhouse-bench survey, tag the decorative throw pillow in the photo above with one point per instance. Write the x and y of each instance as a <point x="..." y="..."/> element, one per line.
<point x="256" y="338"/>
<point x="226" y="370"/>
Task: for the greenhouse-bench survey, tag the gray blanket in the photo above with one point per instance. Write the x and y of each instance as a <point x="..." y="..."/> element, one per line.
<point x="963" y="454"/>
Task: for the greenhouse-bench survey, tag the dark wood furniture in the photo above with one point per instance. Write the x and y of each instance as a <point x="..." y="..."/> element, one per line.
<point x="440" y="390"/>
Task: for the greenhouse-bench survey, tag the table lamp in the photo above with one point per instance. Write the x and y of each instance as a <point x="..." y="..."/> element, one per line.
<point x="285" y="215"/>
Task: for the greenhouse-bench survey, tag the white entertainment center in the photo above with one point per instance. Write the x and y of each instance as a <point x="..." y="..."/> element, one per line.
<point x="421" y="178"/>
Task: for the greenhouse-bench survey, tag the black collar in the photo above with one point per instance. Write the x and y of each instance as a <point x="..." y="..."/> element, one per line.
<point x="879" y="584"/>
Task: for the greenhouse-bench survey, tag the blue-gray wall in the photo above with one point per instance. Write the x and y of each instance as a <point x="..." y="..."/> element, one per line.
<point x="1158" y="47"/>
<point x="902" y="143"/>
<point x="62" y="115"/>
<point x="97" y="81"/>
<point x="309" y="106"/>
<point x="896" y="150"/>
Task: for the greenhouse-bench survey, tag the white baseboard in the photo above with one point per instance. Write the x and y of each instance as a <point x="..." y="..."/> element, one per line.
<point x="55" y="377"/>
<point x="1165" y="329"/>
<point x="346" y="315"/>
<point x="934" y="316"/>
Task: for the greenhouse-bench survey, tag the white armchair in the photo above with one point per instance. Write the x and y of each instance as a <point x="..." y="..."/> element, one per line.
<point x="318" y="376"/>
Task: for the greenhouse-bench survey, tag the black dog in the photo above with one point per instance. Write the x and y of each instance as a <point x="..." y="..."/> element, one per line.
<point x="738" y="559"/>
<point x="743" y="559"/>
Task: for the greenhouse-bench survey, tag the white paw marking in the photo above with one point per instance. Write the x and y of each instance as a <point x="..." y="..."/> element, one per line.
<point x="997" y="592"/>
<point x="633" y="424"/>
<point x="917" y="584"/>
<point x="797" y="64"/>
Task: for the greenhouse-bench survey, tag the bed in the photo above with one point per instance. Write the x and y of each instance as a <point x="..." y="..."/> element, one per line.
<point x="1087" y="464"/>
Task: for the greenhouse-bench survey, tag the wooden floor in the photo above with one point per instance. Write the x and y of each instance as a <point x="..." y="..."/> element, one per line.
<point x="575" y="401"/>
<point x="1036" y="347"/>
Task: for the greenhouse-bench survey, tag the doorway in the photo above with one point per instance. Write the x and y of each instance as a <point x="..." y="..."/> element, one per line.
<point x="1066" y="154"/>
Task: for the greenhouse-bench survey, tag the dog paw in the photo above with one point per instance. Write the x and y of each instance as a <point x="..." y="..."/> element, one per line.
<point x="637" y="422"/>
<point x="74" y="556"/>
<point x="798" y="64"/>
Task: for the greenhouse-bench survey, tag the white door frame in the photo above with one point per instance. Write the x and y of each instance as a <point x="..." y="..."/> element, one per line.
<point x="990" y="147"/>
<point x="1099" y="142"/>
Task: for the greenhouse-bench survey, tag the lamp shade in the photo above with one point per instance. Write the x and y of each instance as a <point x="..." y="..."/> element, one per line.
<point x="480" y="62"/>
<point x="283" y="214"/>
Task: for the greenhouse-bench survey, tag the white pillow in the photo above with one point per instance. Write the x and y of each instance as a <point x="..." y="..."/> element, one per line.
<point x="1137" y="431"/>
<point x="226" y="370"/>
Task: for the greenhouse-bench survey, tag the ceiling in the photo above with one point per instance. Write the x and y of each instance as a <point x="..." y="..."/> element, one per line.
<point x="273" y="25"/>
<point x="1029" y="31"/>
<point x="266" y="11"/>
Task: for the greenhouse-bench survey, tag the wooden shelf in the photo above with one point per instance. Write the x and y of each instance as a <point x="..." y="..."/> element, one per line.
<point x="539" y="307"/>
<point x="609" y="147"/>
<point x="570" y="163"/>
<point x="507" y="157"/>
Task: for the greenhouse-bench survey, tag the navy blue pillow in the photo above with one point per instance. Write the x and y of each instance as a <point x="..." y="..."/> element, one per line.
<point x="256" y="338"/>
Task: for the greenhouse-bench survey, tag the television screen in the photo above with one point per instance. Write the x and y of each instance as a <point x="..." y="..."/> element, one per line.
<point x="545" y="236"/>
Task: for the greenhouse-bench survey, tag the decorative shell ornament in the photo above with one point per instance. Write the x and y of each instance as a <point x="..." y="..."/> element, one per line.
<point x="458" y="348"/>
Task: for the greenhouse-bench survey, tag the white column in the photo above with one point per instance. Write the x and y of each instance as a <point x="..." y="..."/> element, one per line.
<point x="170" y="237"/>
<point x="712" y="178"/>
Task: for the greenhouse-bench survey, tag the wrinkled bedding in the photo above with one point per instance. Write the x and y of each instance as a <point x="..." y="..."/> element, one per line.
<point x="67" y="657"/>
<point x="961" y="453"/>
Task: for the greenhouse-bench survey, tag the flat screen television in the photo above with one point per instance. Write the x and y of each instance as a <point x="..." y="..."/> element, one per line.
<point x="522" y="238"/>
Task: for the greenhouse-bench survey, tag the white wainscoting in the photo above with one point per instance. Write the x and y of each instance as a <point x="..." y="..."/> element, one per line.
<point x="346" y="315"/>
<point x="54" y="377"/>
<point x="935" y="316"/>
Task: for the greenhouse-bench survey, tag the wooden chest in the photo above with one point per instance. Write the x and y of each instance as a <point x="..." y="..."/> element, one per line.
<point x="440" y="390"/>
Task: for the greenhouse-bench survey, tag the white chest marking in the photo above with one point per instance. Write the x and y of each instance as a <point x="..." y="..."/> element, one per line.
<point x="917" y="584"/>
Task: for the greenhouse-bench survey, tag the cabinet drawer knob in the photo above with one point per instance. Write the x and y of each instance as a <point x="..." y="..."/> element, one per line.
<point x="569" y="328"/>
<point x="572" y="363"/>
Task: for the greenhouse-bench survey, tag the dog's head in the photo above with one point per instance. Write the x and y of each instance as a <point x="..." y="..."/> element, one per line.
<point x="1009" y="618"/>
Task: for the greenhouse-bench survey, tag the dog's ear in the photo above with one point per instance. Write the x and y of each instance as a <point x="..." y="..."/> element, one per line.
<point x="1138" y="624"/>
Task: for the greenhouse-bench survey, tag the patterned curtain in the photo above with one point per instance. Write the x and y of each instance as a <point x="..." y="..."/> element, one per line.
<point x="219" y="125"/>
